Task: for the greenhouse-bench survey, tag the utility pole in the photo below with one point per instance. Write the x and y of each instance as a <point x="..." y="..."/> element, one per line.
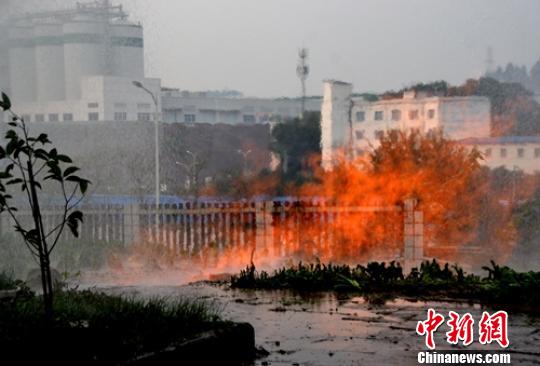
<point x="302" y="71"/>
<point x="139" y="85"/>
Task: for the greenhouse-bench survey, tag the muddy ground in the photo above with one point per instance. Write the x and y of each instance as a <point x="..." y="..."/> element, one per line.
<point x="326" y="330"/>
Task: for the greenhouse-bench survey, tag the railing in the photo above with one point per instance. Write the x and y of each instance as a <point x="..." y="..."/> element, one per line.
<point x="284" y="227"/>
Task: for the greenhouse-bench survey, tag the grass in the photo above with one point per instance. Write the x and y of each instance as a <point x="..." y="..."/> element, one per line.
<point x="97" y="328"/>
<point x="502" y="286"/>
<point x="7" y="282"/>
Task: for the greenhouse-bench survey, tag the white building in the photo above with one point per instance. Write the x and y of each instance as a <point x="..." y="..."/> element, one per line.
<point x="77" y="65"/>
<point x="187" y="107"/>
<point x="354" y="125"/>
<point x="510" y="152"/>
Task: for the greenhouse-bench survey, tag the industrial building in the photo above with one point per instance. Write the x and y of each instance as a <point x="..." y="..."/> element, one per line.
<point x="79" y="65"/>
<point x="76" y="65"/>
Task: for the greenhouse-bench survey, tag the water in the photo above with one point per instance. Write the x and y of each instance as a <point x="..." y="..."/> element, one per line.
<point x="324" y="329"/>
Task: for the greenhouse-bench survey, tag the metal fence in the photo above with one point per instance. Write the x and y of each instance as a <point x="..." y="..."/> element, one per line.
<point x="280" y="226"/>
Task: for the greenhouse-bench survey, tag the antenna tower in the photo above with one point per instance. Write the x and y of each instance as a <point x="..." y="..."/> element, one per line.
<point x="302" y="70"/>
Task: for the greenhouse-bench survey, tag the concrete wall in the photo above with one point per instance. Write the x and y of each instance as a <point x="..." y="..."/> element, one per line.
<point x="335" y="128"/>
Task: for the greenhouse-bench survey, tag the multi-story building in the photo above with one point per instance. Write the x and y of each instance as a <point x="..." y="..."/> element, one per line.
<point x="79" y="64"/>
<point x="355" y="125"/>
<point x="188" y="107"/>
<point x="510" y="152"/>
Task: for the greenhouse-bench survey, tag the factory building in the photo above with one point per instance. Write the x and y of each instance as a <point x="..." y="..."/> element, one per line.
<point x="79" y="65"/>
<point x="76" y="65"/>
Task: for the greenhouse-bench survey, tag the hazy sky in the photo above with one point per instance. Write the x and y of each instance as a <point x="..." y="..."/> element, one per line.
<point x="251" y="45"/>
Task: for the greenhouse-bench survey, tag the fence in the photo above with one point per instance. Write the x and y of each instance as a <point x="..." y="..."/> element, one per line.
<point x="282" y="227"/>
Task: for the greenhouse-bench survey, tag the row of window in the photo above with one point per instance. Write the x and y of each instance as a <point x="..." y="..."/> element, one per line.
<point x="52" y="117"/>
<point x="503" y="152"/>
<point x="377" y="134"/>
<point x="395" y="115"/>
<point x="191" y="118"/>
<point x="92" y="116"/>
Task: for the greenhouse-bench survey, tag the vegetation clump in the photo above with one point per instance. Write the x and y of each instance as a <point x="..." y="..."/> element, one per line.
<point x="97" y="328"/>
<point x="503" y="286"/>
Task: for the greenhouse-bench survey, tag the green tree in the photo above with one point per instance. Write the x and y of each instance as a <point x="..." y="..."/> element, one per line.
<point x="29" y="165"/>
<point x="297" y="142"/>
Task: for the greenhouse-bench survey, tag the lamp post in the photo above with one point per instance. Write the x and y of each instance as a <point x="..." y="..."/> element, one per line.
<point x="139" y="85"/>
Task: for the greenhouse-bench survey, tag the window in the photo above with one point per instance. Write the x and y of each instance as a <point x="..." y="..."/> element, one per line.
<point x="144" y="117"/>
<point x="379" y="134"/>
<point x="487" y="153"/>
<point x="396" y="115"/>
<point x="120" y="116"/>
<point x="248" y="118"/>
<point x="26" y="117"/>
<point x="537" y="152"/>
<point x="93" y="105"/>
<point x="503" y="152"/>
<point x="53" y="117"/>
<point x="359" y="152"/>
<point x="359" y="134"/>
<point x="40" y="117"/>
<point x="93" y="116"/>
<point x="120" y="105"/>
<point x="520" y="152"/>
<point x="378" y="116"/>
<point x="143" y="105"/>
<point x="431" y="113"/>
<point x="413" y="114"/>
<point x="67" y="117"/>
<point x="360" y="116"/>
<point x="189" y="118"/>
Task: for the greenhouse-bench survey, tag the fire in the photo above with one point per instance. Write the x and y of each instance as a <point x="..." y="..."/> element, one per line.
<point x="354" y="214"/>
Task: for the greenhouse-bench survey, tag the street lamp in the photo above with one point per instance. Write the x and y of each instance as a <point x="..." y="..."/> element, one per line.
<point x="139" y="85"/>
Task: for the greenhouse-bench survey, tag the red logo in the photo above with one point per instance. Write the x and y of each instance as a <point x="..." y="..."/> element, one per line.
<point x="490" y="328"/>
<point x="461" y="328"/>
<point x="428" y="327"/>
<point x="494" y="328"/>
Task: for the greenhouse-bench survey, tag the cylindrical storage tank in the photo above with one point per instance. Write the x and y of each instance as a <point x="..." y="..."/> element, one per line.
<point x="84" y="53"/>
<point x="50" y="77"/>
<point x="127" y="51"/>
<point x="4" y="60"/>
<point x="22" y="67"/>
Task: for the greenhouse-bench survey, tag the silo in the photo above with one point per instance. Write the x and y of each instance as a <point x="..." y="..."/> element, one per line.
<point x="50" y="62"/>
<point x="4" y="60"/>
<point x="22" y="65"/>
<point x="127" y="51"/>
<point x="84" y="53"/>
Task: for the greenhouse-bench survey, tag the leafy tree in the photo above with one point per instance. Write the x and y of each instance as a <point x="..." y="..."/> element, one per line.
<point x="29" y="165"/>
<point x="297" y="142"/>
